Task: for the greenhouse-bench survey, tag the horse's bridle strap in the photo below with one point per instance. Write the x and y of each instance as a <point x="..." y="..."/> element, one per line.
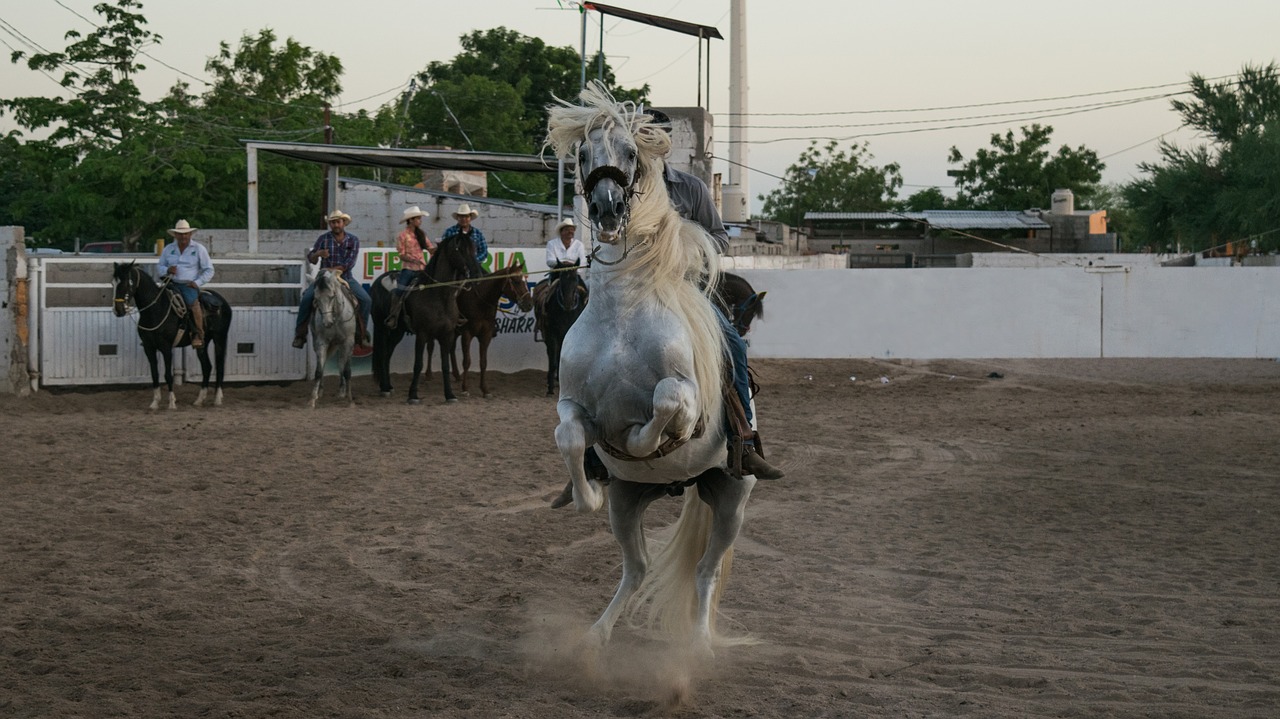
<point x="667" y="447"/>
<point x="605" y="171"/>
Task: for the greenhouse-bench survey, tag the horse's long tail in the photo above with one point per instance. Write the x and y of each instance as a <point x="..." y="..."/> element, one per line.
<point x="669" y="596"/>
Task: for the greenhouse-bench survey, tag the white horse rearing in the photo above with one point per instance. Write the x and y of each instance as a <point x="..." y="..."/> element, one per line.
<point x="641" y="370"/>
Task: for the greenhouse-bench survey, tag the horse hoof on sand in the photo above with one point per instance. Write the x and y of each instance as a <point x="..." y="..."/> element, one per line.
<point x="488" y="395"/>
<point x="385" y="394"/>
<point x="414" y="401"/>
<point x="451" y="400"/>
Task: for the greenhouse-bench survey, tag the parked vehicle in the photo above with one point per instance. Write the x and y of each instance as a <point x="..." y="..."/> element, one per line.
<point x="102" y="247"/>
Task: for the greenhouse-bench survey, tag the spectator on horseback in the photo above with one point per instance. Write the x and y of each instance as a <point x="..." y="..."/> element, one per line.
<point x="186" y="265"/>
<point x="335" y="249"/>
<point x="563" y="251"/>
<point x="414" y="246"/>
<point x="464" y="217"/>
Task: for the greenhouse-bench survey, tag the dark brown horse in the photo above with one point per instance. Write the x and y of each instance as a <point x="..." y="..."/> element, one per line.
<point x="557" y="309"/>
<point x="431" y="314"/>
<point x="739" y="301"/>
<point x="162" y="313"/>
<point x="479" y="305"/>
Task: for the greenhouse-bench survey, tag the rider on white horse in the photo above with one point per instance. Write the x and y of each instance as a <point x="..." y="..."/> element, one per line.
<point x="692" y="200"/>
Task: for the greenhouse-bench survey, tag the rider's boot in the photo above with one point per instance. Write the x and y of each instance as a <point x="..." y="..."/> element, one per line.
<point x="754" y="463"/>
<point x="393" y="314"/>
<point x="300" y="333"/>
<point x="197" y="317"/>
<point x="362" y="335"/>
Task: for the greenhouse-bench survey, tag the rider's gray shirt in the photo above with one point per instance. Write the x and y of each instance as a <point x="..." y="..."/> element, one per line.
<point x="693" y="201"/>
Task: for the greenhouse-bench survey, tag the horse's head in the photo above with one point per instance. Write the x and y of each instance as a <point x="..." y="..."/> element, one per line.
<point x="125" y="277"/>
<point x="515" y="286"/>
<point x="455" y="260"/>
<point x="747" y="311"/>
<point x="618" y="150"/>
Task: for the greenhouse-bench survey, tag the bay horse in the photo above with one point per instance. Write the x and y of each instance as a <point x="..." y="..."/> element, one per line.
<point x="161" y="314"/>
<point x="739" y="301"/>
<point x="333" y="328"/>
<point x="641" y="373"/>
<point x="430" y="313"/>
<point x="562" y="303"/>
<point x="478" y="303"/>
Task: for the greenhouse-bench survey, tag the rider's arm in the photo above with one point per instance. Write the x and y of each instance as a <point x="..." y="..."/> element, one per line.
<point x="205" y="267"/>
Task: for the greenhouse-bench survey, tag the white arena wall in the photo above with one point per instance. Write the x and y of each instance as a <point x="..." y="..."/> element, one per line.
<point x="1018" y="313"/>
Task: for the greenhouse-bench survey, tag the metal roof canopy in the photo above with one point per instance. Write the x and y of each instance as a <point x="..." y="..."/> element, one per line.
<point x="333" y="156"/>
<point x="702" y="32"/>
<point x="400" y="157"/>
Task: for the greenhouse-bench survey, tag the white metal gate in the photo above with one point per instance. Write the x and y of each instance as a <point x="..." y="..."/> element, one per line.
<point x="78" y="340"/>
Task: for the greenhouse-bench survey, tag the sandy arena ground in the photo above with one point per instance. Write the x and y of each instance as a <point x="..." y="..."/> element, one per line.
<point x="1079" y="538"/>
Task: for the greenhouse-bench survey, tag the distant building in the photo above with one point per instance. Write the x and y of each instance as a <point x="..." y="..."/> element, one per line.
<point x="934" y="238"/>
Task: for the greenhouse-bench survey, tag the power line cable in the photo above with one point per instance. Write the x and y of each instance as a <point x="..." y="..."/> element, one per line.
<point x="974" y="105"/>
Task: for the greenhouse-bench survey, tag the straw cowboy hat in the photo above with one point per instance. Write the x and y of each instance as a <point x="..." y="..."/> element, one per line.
<point x="181" y="228"/>
<point x="338" y="215"/>
<point x="413" y="212"/>
<point x="566" y="222"/>
<point x="465" y="209"/>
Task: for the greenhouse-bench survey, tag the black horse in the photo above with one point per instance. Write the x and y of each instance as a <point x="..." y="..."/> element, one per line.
<point x="430" y="312"/>
<point x="560" y="305"/>
<point x="162" y="313"/>
<point x="739" y="301"/>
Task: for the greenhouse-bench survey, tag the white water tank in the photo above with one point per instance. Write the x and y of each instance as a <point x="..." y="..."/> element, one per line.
<point x="1063" y="202"/>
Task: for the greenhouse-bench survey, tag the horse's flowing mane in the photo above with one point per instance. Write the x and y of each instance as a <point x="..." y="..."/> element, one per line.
<point x="672" y="261"/>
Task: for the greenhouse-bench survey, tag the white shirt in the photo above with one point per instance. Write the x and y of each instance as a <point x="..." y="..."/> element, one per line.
<point x="193" y="264"/>
<point x="575" y="253"/>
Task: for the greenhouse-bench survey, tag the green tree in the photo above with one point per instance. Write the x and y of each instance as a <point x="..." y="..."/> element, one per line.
<point x="1202" y="196"/>
<point x="1019" y="173"/>
<point x="493" y="97"/>
<point x="833" y="180"/>
<point x="930" y="198"/>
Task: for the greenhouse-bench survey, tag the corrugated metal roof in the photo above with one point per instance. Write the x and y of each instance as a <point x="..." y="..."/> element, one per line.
<point x="944" y="219"/>
<point x="403" y="157"/>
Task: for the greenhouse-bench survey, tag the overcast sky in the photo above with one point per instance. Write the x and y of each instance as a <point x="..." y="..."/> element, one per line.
<point x="822" y="63"/>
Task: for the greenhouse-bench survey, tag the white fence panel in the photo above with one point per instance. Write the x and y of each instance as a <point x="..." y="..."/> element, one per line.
<point x="89" y="345"/>
<point x="258" y="347"/>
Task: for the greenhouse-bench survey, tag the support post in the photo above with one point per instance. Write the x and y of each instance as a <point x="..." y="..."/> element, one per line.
<point x="252" y="164"/>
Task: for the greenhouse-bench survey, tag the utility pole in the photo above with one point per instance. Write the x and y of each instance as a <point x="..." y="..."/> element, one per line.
<point x="328" y="140"/>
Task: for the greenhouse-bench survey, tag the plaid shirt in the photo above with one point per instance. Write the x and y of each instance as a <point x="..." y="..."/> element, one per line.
<point x="482" y="247"/>
<point x="341" y="254"/>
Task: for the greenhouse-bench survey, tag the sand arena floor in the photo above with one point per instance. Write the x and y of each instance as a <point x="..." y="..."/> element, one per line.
<point x="1075" y="538"/>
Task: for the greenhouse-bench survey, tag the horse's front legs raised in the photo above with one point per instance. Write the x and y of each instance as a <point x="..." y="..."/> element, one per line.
<point x="674" y="414"/>
<point x="627" y="503"/>
<point x="573" y="435"/>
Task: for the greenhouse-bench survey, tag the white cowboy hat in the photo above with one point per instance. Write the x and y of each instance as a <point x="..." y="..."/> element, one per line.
<point x="338" y="215"/>
<point x="566" y="222"/>
<point x="465" y="209"/>
<point x="181" y="228"/>
<point x="413" y="212"/>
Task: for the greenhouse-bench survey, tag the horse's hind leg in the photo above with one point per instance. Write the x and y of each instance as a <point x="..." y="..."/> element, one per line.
<point x="674" y="408"/>
<point x="627" y="503"/>
<point x="727" y="498"/>
<point x="573" y="435"/>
